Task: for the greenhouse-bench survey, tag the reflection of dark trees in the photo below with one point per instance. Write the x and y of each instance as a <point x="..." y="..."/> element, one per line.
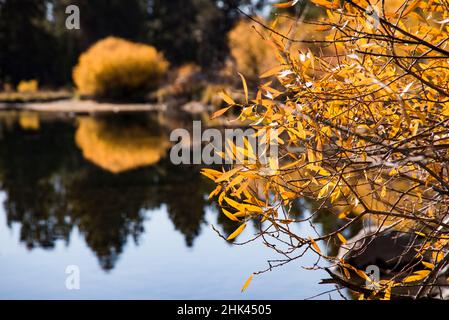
<point x="35" y="195"/>
<point x="185" y="193"/>
<point x="50" y="189"/>
<point x="107" y="208"/>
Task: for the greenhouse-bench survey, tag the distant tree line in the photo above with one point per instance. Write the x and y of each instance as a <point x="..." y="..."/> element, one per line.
<point x="35" y="43"/>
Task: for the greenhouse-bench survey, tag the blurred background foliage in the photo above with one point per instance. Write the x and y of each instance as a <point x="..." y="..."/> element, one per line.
<point x="35" y="44"/>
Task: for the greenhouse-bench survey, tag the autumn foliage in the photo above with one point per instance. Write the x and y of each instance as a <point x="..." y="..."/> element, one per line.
<point x="364" y="130"/>
<point x="117" y="68"/>
<point x="253" y="53"/>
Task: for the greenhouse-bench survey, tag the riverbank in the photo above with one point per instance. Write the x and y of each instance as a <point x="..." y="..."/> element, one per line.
<point x="90" y="106"/>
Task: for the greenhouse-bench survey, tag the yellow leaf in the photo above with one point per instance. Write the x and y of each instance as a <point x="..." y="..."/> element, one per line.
<point x="215" y="191"/>
<point x="323" y="191"/>
<point x="347" y="273"/>
<point x="221" y="197"/>
<point x="247" y="282"/>
<point x="437" y="256"/>
<point x="289" y="195"/>
<point x="310" y="155"/>
<point x="238" y="231"/>
<point x="285" y="4"/>
<point x="245" y="86"/>
<point x="342" y="238"/>
<point x="327" y="4"/>
<point x="227" y="98"/>
<point x="428" y="265"/>
<point x="411" y="7"/>
<point x="387" y="294"/>
<point x="383" y="192"/>
<point x="315" y="246"/>
<point x="249" y="148"/>
<point x="230" y="215"/>
<point x="210" y="173"/>
<point x="293" y="164"/>
<point x="302" y="132"/>
<point x="418" y="275"/>
<point x="227" y="175"/>
<point x="235" y="182"/>
<point x="233" y="203"/>
<point x="271" y="72"/>
<point x="219" y="113"/>
<point x="363" y="275"/>
<point x="393" y="172"/>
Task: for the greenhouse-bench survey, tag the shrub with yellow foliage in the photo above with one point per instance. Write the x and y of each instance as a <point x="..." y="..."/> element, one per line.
<point x="25" y="86"/>
<point x="117" y="68"/>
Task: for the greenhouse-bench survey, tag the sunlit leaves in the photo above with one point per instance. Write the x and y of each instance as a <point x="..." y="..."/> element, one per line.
<point x="227" y="98"/>
<point x="219" y="113"/>
<point x="417" y="276"/>
<point x="245" y="86"/>
<point x="327" y="4"/>
<point x="230" y="215"/>
<point x="341" y="238"/>
<point x="363" y="130"/>
<point x="314" y="245"/>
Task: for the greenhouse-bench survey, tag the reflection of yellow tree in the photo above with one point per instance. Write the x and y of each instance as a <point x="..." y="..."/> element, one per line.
<point x="365" y="129"/>
<point x="29" y="121"/>
<point x="117" y="149"/>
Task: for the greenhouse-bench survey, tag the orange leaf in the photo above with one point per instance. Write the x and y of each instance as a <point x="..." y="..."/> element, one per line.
<point x="219" y="113"/>
<point x="411" y="7"/>
<point x="227" y="98"/>
<point x="285" y="4"/>
<point x="246" y="284"/>
<point x="315" y="246"/>
<point x="342" y="238"/>
<point x="327" y="4"/>
<point x="227" y="175"/>
<point x="271" y="72"/>
<point x="245" y="86"/>
<point x="230" y="215"/>
<point x="238" y="231"/>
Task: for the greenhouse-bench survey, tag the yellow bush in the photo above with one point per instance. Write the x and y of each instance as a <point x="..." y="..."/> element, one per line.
<point x="117" y="68"/>
<point x="27" y="86"/>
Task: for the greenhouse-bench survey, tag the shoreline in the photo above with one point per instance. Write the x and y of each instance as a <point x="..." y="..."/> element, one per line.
<point x="91" y="107"/>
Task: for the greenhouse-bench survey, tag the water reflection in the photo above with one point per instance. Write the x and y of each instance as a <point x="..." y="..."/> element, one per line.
<point x="98" y="175"/>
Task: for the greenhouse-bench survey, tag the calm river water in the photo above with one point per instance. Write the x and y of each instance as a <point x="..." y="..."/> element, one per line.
<point x="100" y="193"/>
